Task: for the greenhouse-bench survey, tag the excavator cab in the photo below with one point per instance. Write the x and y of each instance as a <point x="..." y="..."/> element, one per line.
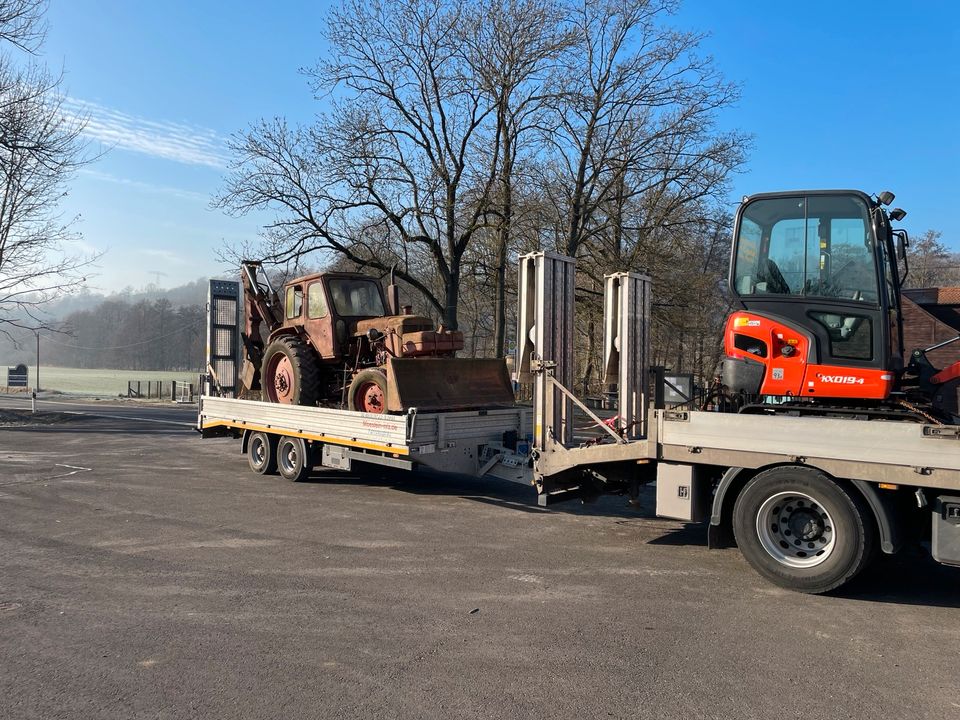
<point x="815" y="275"/>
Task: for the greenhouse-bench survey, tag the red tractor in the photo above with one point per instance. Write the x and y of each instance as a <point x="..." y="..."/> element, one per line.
<point x="333" y="339"/>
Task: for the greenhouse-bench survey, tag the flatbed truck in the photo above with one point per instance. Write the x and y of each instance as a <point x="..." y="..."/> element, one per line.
<point x="808" y="500"/>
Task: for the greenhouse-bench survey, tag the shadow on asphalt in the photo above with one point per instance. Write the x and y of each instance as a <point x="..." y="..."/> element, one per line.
<point x="911" y="577"/>
<point x="489" y="491"/>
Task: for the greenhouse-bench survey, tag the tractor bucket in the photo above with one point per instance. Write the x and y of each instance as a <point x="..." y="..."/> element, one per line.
<point x="447" y="384"/>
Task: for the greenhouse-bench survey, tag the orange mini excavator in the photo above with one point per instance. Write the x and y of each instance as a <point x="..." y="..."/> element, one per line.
<point x="819" y="328"/>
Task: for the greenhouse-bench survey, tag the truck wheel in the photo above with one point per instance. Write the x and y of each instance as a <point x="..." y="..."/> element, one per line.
<point x="262" y="453"/>
<point x="368" y="392"/>
<point x="801" y="530"/>
<point x="289" y="373"/>
<point x="293" y="458"/>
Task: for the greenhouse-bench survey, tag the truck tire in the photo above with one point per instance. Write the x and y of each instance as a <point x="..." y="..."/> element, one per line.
<point x="368" y="392"/>
<point x="801" y="530"/>
<point x="262" y="453"/>
<point x="293" y="458"/>
<point x="290" y="374"/>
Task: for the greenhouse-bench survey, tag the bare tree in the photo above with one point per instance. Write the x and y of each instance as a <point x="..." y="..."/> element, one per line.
<point x="635" y="115"/>
<point x="929" y="261"/>
<point x="515" y="47"/>
<point x="40" y="149"/>
<point x="461" y="133"/>
<point x="397" y="172"/>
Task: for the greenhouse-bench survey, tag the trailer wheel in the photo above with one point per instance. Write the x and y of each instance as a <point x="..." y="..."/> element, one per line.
<point x="801" y="530"/>
<point x="289" y="373"/>
<point x="262" y="453"/>
<point x="293" y="458"/>
<point x="368" y="392"/>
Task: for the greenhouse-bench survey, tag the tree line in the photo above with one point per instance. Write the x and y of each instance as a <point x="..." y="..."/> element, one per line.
<point x="144" y="335"/>
<point x="458" y="134"/>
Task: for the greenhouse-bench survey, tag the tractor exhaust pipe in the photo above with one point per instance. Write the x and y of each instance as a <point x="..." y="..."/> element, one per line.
<point x="393" y="294"/>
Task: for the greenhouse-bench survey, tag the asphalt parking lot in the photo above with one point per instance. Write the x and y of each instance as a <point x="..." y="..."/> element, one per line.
<point x="145" y="573"/>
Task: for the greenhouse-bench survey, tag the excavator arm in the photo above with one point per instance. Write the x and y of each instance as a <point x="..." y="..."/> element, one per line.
<point x="951" y="372"/>
<point x="261" y="304"/>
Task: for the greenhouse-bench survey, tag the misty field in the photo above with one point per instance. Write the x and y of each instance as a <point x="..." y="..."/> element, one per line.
<point x="99" y="382"/>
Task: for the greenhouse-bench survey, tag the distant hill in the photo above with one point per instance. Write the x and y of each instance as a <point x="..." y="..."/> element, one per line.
<point x="192" y="293"/>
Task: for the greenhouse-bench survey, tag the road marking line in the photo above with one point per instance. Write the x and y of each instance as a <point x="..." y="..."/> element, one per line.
<point x="76" y="469"/>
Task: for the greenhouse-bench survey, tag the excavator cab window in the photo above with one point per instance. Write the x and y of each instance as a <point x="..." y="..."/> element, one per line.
<point x="294" y="301"/>
<point x="816" y="246"/>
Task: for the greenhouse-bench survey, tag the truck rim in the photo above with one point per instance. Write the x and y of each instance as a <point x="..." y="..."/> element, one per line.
<point x="281" y="382"/>
<point x="369" y="397"/>
<point x="796" y="530"/>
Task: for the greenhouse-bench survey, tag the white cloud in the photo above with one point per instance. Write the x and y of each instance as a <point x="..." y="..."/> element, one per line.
<point x="188" y="144"/>
<point x="148" y="187"/>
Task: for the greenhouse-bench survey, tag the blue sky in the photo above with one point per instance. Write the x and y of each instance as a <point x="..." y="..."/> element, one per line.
<point x="836" y="94"/>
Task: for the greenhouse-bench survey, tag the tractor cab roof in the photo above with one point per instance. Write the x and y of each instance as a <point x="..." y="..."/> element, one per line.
<point x="330" y="274"/>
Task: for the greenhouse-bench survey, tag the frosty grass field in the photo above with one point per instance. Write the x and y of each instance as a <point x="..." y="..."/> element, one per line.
<point x="107" y="383"/>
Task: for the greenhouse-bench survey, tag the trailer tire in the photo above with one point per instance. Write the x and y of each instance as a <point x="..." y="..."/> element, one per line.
<point x="801" y="530"/>
<point x="262" y="453"/>
<point x="289" y="374"/>
<point x="293" y="458"/>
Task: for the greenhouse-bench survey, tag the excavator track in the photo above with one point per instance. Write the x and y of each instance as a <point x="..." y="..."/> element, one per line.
<point x="902" y="411"/>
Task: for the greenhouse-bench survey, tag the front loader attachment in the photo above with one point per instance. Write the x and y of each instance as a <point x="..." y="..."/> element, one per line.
<point x="447" y="384"/>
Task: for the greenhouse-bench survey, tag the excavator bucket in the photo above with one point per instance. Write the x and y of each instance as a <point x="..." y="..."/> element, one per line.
<point x="447" y="384"/>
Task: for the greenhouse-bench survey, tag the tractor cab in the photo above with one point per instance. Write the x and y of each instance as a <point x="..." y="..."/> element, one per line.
<point x="328" y="306"/>
<point x="815" y="275"/>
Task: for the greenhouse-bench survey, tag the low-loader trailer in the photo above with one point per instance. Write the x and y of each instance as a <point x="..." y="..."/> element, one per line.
<point x="808" y="500"/>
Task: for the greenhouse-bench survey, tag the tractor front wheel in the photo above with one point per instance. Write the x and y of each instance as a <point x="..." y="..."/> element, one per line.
<point x="289" y="374"/>
<point x="368" y="392"/>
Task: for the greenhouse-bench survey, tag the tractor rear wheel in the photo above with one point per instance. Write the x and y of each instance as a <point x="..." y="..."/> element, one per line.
<point x="368" y="392"/>
<point x="290" y="374"/>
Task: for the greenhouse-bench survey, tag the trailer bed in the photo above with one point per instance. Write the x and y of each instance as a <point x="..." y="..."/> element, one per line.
<point x="477" y="442"/>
